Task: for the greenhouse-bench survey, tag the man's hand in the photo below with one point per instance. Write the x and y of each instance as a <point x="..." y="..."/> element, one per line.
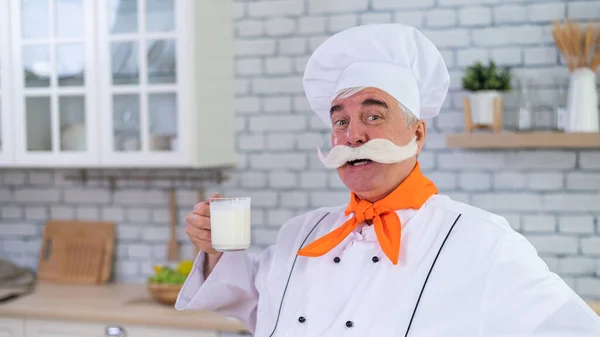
<point x="197" y="228"/>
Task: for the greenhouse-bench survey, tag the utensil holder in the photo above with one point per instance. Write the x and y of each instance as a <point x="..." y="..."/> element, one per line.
<point x="582" y="104"/>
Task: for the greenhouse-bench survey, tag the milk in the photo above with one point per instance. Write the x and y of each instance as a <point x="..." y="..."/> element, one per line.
<point x="230" y="223"/>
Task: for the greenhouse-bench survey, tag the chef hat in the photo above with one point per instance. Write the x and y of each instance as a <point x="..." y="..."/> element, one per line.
<point x="395" y="58"/>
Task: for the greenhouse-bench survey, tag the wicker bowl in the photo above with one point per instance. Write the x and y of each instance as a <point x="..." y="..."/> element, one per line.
<point x="164" y="293"/>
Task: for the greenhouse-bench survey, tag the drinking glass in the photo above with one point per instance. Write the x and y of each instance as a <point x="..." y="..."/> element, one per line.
<point x="230" y="223"/>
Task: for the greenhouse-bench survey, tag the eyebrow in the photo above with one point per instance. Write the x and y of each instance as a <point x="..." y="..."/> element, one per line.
<point x="366" y="102"/>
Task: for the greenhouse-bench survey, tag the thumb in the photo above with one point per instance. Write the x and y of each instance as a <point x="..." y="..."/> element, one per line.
<point x="216" y="195"/>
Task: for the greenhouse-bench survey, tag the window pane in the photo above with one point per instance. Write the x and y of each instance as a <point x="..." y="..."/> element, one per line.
<point x="124" y="59"/>
<point x="161" y="61"/>
<point x="35" y="19"/>
<point x="163" y="121"/>
<point x="69" y="18"/>
<point x="123" y="16"/>
<point x="72" y="123"/>
<point x="38" y="124"/>
<point x="70" y="64"/>
<point x="126" y="122"/>
<point x="36" y="63"/>
<point x="160" y="15"/>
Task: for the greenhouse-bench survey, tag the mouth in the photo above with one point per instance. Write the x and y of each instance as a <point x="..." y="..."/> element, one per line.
<point x="358" y="162"/>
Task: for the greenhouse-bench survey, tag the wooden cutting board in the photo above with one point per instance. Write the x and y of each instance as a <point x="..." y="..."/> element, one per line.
<point x="77" y="252"/>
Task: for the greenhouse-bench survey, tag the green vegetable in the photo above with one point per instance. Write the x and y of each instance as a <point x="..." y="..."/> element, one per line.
<point x="167" y="275"/>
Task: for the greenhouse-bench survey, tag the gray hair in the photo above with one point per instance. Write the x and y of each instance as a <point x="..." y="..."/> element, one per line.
<point x="409" y="118"/>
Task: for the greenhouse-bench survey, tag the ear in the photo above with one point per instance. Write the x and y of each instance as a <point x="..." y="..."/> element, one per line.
<point x="420" y="133"/>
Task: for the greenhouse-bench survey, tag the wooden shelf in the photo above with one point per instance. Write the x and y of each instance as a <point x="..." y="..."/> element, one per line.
<point x="520" y="140"/>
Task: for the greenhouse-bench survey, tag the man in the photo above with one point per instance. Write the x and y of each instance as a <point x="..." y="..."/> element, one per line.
<point x="399" y="259"/>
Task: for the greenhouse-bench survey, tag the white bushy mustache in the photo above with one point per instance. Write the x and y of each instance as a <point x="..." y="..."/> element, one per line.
<point x="379" y="150"/>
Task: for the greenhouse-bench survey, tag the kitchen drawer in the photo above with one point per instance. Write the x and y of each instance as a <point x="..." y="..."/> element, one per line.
<point x="11" y="327"/>
<point x="56" y="328"/>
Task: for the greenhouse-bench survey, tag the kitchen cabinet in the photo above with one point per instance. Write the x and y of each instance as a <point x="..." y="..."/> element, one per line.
<point x="121" y="83"/>
<point x="53" y="84"/>
<point x="42" y="328"/>
<point x="6" y="129"/>
<point x="142" y="331"/>
<point x="11" y="327"/>
<point x="60" y="328"/>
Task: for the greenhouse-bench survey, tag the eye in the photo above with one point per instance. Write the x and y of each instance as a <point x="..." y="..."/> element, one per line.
<point x="373" y="117"/>
<point x="339" y="122"/>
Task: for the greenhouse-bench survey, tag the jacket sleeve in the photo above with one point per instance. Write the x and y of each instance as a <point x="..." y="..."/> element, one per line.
<point x="230" y="289"/>
<point x="522" y="297"/>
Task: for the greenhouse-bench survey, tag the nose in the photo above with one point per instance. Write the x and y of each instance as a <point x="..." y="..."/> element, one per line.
<point x="356" y="134"/>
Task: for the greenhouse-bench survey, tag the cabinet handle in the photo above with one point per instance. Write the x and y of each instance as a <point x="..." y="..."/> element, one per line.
<point x="114" y="331"/>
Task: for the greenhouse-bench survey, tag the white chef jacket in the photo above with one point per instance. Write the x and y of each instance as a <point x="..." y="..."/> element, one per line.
<point x="487" y="281"/>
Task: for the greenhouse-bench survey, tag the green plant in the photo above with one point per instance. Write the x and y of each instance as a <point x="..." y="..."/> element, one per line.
<point x="480" y="77"/>
<point x="167" y="275"/>
<point x="171" y="275"/>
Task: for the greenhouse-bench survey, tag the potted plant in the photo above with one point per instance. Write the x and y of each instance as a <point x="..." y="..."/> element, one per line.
<point x="485" y="84"/>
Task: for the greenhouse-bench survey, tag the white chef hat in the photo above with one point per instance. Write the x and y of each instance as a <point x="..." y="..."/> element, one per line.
<point x="395" y="58"/>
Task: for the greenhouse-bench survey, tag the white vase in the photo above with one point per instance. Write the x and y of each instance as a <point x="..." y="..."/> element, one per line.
<point x="482" y="106"/>
<point x="582" y="102"/>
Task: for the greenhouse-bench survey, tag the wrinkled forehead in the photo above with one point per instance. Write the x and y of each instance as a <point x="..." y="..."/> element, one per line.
<point x="361" y="96"/>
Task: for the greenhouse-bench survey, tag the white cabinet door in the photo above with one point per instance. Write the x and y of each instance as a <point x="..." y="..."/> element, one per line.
<point x="51" y="328"/>
<point x="141" y="331"/>
<point x="53" y="83"/>
<point x="6" y="121"/>
<point x="12" y="327"/>
<point x="145" y="82"/>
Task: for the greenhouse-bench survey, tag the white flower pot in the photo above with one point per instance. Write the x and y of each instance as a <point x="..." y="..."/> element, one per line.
<point x="582" y="104"/>
<point x="482" y="106"/>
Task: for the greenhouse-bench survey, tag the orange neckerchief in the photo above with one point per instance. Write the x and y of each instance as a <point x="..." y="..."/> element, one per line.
<point x="411" y="193"/>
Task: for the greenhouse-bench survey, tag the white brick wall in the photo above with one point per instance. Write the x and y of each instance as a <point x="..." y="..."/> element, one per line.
<point x="552" y="197"/>
<point x="250" y="28"/>
<point x="576" y="224"/>
<point x="336" y="6"/>
<point x="545" y="181"/>
<point x="312" y="25"/>
<point x="32" y="195"/>
<point x="509" y="14"/>
<point x="538" y="224"/>
<point x="583" y="10"/>
<point x="86" y="196"/>
<point x="547" y="12"/>
<point x="577" y="266"/>
<point x="441" y="18"/>
<point x="275" y="8"/>
<point x="554" y="244"/>
<point x="393" y="4"/>
<point x="475" y="16"/>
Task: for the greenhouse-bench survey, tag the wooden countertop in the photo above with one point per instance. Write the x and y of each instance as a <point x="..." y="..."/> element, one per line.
<point x="111" y="304"/>
<point x="595" y="306"/>
<point x="118" y="304"/>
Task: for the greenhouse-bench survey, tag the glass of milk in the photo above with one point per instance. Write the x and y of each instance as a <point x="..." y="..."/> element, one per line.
<point x="230" y="223"/>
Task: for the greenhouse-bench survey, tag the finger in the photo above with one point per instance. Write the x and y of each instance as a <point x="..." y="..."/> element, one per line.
<point x="197" y="233"/>
<point x="202" y="208"/>
<point x="204" y="245"/>
<point x="216" y="195"/>
<point x="201" y="235"/>
<point x="198" y="221"/>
